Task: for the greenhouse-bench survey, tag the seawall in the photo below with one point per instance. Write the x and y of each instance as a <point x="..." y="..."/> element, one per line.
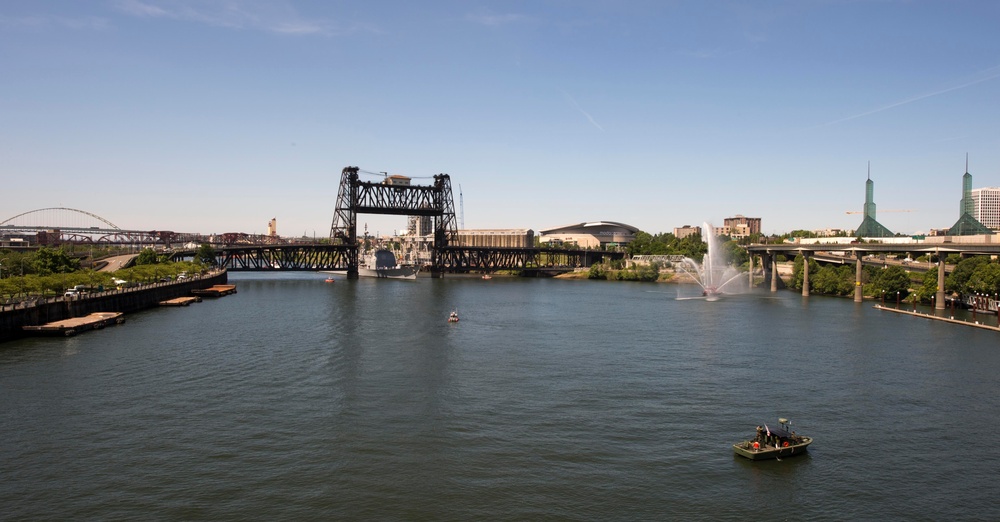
<point x="127" y="301"/>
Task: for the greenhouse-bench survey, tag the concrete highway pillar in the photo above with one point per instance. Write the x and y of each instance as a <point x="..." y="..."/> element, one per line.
<point x="939" y="296"/>
<point x="858" y="289"/>
<point x="805" y="274"/>
<point x="774" y="273"/>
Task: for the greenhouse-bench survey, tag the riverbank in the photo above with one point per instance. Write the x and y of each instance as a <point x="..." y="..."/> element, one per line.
<point x="126" y="300"/>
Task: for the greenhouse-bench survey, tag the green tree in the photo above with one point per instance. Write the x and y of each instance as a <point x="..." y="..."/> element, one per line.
<point x="959" y="277"/>
<point x="797" y="273"/>
<point x="735" y="254"/>
<point x="691" y="246"/>
<point x="205" y="255"/>
<point x="50" y="261"/>
<point x="890" y="280"/>
<point x="928" y="287"/>
<point x="641" y="244"/>
<point x="17" y="263"/>
<point x="147" y="257"/>
<point x="831" y="280"/>
<point x="598" y="271"/>
<point x="985" y="280"/>
<point x="802" y="234"/>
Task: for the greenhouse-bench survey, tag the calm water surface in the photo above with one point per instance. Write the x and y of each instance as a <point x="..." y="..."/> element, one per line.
<point x="550" y="400"/>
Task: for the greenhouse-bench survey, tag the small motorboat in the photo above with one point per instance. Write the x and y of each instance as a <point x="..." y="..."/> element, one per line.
<point x="773" y="443"/>
<point x="453" y="317"/>
<point x="330" y="280"/>
<point x="487" y="276"/>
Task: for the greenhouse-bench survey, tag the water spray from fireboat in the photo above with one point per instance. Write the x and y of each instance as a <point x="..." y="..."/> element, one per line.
<point x="715" y="276"/>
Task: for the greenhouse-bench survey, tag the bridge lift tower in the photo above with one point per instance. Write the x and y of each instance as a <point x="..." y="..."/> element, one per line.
<point x="365" y="197"/>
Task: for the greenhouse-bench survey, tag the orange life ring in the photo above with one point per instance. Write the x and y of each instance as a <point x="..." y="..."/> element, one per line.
<point x="784" y="444"/>
<point x="756" y="445"/>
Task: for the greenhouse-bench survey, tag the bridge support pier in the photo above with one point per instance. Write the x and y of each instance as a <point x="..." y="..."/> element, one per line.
<point x="774" y="272"/>
<point x="858" y="288"/>
<point x="805" y="274"/>
<point x="939" y="295"/>
<point x="751" y="272"/>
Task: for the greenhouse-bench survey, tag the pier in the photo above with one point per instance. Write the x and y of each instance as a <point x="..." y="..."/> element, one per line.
<point x="75" y="325"/>
<point x="180" y="301"/>
<point x="952" y="320"/>
<point x="215" y="291"/>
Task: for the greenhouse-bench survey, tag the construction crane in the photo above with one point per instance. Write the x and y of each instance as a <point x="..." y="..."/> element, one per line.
<point x="880" y="211"/>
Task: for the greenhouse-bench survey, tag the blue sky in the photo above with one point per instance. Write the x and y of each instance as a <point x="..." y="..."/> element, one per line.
<point x="217" y="115"/>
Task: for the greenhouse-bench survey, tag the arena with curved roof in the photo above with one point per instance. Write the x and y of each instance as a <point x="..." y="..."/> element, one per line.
<point x="594" y="234"/>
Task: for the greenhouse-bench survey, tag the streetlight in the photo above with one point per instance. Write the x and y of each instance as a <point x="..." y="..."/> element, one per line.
<point x="897" y="298"/>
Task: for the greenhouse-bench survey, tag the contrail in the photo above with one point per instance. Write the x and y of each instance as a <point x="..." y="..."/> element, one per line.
<point x="914" y="99"/>
<point x="585" y="113"/>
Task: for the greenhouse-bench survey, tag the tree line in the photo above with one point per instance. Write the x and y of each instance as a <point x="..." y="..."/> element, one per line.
<point x="49" y="271"/>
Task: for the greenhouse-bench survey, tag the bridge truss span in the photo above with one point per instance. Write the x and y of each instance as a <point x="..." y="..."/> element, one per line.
<point x="284" y="257"/>
<point x="486" y="259"/>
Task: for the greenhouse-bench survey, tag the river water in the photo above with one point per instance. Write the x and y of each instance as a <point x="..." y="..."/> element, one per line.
<point x="549" y="400"/>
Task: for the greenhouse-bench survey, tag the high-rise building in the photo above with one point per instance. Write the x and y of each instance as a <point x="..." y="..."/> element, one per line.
<point x="741" y="226"/>
<point x="986" y="206"/>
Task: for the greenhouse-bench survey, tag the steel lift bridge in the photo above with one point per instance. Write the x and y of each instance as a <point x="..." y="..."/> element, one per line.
<point x="356" y="196"/>
<point x="366" y="197"/>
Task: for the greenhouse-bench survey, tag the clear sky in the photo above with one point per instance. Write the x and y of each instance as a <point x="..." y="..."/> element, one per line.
<point x="217" y="115"/>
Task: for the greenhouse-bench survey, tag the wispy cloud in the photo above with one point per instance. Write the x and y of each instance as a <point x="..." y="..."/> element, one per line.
<point x="41" y="22"/>
<point x="702" y="54"/>
<point x="495" y="20"/>
<point x="576" y="106"/>
<point x="262" y="15"/>
<point x="982" y="76"/>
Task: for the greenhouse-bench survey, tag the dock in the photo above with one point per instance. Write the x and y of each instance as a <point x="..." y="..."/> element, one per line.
<point x="180" y="301"/>
<point x="975" y="324"/>
<point x="215" y="291"/>
<point x="75" y="325"/>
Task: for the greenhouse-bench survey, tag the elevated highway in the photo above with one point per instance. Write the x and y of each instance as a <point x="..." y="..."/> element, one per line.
<point x="856" y="253"/>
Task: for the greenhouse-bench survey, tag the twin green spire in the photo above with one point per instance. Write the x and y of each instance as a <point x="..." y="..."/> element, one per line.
<point x="967" y="225"/>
